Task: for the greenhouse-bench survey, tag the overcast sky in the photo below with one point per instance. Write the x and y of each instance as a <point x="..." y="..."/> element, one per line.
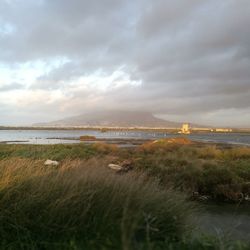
<point x="183" y="60"/>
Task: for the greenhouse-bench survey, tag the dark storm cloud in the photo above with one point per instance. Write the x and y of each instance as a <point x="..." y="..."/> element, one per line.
<point x="191" y="56"/>
<point x="75" y="29"/>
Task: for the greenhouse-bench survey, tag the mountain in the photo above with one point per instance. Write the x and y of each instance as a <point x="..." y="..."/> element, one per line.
<point x="114" y="119"/>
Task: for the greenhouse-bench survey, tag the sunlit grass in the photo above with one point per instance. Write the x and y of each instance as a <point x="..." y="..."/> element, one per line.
<point x="81" y="204"/>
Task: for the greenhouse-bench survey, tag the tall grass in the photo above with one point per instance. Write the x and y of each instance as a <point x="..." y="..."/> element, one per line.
<point x="82" y="205"/>
<point x="212" y="170"/>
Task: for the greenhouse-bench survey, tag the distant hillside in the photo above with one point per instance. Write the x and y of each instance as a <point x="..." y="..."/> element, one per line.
<point x="114" y="119"/>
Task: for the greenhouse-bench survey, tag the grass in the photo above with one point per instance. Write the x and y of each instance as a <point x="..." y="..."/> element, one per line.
<point x="81" y="204"/>
<point x="222" y="174"/>
<point x="57" y="152"/>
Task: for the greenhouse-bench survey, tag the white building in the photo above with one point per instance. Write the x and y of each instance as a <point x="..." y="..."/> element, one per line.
<point x="185" y="129"/>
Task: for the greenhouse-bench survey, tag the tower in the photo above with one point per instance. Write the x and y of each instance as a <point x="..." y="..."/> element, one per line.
<point x="185" y="128"/>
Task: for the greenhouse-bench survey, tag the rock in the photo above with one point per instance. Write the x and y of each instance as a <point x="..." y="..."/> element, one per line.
<point x="204" y="198"/>
<point x="115" y="167"/>
<point x="51" y="163"/>
<point x="123" y="167"/>
<point x="247" y="198"/>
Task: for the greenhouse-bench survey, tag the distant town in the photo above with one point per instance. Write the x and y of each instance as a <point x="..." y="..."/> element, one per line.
<point x="185" y="129"/>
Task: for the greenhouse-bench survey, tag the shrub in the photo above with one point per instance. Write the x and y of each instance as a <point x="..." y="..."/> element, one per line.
<point x="209" y="152"/>
<point x="237" y="153"/>
<point x="168" y="144"/>
<point x="213" y="176"/>
<point x="87" y="138"/>
<point x="105" y="148"/>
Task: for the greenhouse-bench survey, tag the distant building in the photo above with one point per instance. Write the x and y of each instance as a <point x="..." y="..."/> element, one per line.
<point x="225" y="130"/>
<point x="185" y="129"/>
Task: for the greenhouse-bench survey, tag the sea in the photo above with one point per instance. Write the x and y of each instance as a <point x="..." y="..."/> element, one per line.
<point x="72" y="136"/>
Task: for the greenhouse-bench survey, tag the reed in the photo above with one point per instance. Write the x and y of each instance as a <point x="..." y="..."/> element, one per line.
<point x="83" y="205"/>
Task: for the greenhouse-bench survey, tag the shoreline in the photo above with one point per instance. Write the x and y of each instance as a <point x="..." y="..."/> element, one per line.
<point x="118" y="141"/>
<point x="174" y="130"/>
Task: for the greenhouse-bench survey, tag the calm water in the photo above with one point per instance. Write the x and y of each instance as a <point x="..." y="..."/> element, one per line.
<point x="72" y="136"/>
<point x="230" y="221"/>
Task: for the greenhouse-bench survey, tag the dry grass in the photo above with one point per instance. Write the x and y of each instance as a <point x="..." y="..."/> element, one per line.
<point x="168" y="144"/>
<point x="105" y="148"/>
<point x="82" y="204"/>
<point x="221" y="173"/>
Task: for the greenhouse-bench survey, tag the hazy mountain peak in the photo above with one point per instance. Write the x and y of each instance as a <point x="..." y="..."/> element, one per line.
<point x="114" y="118"/>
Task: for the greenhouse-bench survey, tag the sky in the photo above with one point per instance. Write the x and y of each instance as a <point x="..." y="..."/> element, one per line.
<point x="182" y="60"/>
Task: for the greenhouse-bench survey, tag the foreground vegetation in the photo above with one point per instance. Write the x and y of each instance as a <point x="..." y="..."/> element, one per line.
<point x="218" y="172"/>
<point x="84" y="206"/>
<point x="81" y="204"/>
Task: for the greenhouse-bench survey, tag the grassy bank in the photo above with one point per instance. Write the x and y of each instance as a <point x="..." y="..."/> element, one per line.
<point x="81" y="204"/>
<point x="207" y="170"/>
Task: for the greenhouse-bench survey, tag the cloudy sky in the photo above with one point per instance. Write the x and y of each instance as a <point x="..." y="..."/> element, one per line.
<point x="183" y="60"/>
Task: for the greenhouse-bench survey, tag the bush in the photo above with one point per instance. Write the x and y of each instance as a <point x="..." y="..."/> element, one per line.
<point x="168" y="144"/>
<point x="209" y="152"/>
<point x="87" y="138"/>
<point x="237" y="153"/>
<point x="105" y="148"/>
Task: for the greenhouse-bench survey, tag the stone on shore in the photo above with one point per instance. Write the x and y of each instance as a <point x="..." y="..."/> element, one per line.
<point x="123" y="167"/>
<point x="51" y="163"/>
<point x="115" y="167"/>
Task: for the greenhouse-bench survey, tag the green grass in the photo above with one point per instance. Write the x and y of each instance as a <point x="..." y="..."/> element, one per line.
<point x="56" y="152"/>
<point x="222" y="174"/>
<point x="83" y="205"/>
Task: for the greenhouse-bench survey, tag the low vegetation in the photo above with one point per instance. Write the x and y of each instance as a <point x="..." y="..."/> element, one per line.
<point x="56" y="152"/>
<point x="213" y="171"/>
<point x="81" y="204"/>
<point x="87" y="138"/>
